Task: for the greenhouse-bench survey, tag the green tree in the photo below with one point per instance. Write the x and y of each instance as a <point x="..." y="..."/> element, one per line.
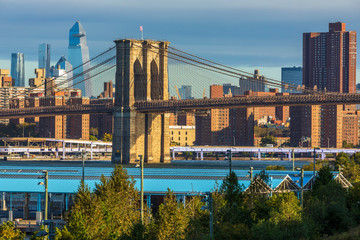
<point x="342" y="159"/>
<point x="231" y="215"/>
<point x="93" y="138"/>
<point x="353" y="201"/>
<point x="323" y="177"/>
<point x="108" y="212"/>
<point x="268" y="140"/>
<point x="107" y="137"/>
<point x="326" y="206"/>
<point x="198" y="227"/>
<point x="284" y="220"/>
<point x="171" y="221"/>
<point x="355" y="158"/>
<point x="8" y="232"/>
<point x="345" y="144"/>
<point x="275" y="167"/>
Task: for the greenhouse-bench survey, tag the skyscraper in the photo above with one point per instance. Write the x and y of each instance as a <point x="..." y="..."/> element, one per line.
<point x="255" y="83"/>
<point x="65" y="74"/>
<point x="78" y="56"/>
<point x="18" y="69"/>
<point x="329" y="59"/>
<point x="293" y="76"/>
<point x="44" y="58"/>
<point x="329" y="62"/>
<point x="185" y="92"/>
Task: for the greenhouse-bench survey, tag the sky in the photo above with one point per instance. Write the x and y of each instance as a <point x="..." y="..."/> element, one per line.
<point x="247" y="34"/>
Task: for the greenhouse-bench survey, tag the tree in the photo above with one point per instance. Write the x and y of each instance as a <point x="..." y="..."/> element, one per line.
<point x="326" y="206"/>
<point x="275" y="167"/>
<point x="268" y="140"/>
<point x="93" y="138"/>
<point x="107" y="137"/>
<point x="8" y="232"/>
<point x="345" y="144"/>
<point x="171" y="221"/>
<point x="323" y="177"/>
<point x="342" y="159"/>
<point x="108" y="212"/>
<point x="353" y="201"/>
<point x="355" y="158"/>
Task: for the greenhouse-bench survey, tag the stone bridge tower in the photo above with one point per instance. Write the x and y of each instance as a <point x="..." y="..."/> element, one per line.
<point x="141" y="74"/>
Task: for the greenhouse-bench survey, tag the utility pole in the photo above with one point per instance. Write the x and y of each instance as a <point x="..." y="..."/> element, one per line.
<point x="211" y="216"/>
<point x="302" y="188"/>
<point x="142" y="188"/>
<point x="229" y="155"/>
<point x="83" y="165"/>
<point x="293" y="156"/>
<point x="251" y="174"/>
<point x="209" y="206"/>
<point x="46" y="195"/>
<point x="141" y="162"/>
<point x="314" y="161"/>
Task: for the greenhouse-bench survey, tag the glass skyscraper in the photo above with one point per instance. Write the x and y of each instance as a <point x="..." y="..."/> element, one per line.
<point x="62" y="64"/>
<point x="291" y="75"/>
<point x="44" y="58"/>
<point x="185" y="92"/>
<point x="78" y="55"/>
<point x="18" y="69"/>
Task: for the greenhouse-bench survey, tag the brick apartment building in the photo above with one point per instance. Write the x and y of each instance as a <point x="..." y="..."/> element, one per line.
<point x="329" y="63"/>
<point x="234" y="126"/>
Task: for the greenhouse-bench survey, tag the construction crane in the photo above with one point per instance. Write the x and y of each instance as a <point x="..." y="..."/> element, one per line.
<point x="178" y="93"/>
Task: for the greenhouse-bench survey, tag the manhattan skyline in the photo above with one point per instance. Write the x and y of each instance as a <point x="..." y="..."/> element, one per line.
<point x="238" y="33"/>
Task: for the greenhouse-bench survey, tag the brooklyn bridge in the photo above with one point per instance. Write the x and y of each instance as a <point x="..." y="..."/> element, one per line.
<point x="142" y="102"/>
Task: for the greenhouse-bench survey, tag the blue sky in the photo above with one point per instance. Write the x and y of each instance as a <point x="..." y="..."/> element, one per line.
<point x="248" y="34"/>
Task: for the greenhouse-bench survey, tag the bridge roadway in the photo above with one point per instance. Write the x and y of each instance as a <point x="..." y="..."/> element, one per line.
<point x="247" y="101"/>
<point x="175" y="105"/>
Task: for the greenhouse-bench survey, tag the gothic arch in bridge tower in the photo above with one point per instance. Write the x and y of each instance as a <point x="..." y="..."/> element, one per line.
<point x="140" y="84"/>
<point x="156" y="82"/>
<point x="141" y="75"/>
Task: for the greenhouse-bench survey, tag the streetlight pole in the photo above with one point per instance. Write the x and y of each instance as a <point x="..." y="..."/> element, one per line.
<point x="315" y="160"/>
<point x="293" y="157"/>
<point x="302" y="189"/>
<point x="211" y="216"/>
<point x="229" y="155"/>
<point x="209" y="206"/>
<point x="141" y="188"/>
<point x="83" y="165"/>
<point x="46" y="195"/>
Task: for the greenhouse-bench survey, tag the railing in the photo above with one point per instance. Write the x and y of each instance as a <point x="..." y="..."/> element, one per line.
<point x="238" y="102"/>
<point x="56" y="110"/>
<point x="174" y="105"/>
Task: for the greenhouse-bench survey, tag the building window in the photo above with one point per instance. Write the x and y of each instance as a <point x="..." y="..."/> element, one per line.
<point x="179" y="138"/>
